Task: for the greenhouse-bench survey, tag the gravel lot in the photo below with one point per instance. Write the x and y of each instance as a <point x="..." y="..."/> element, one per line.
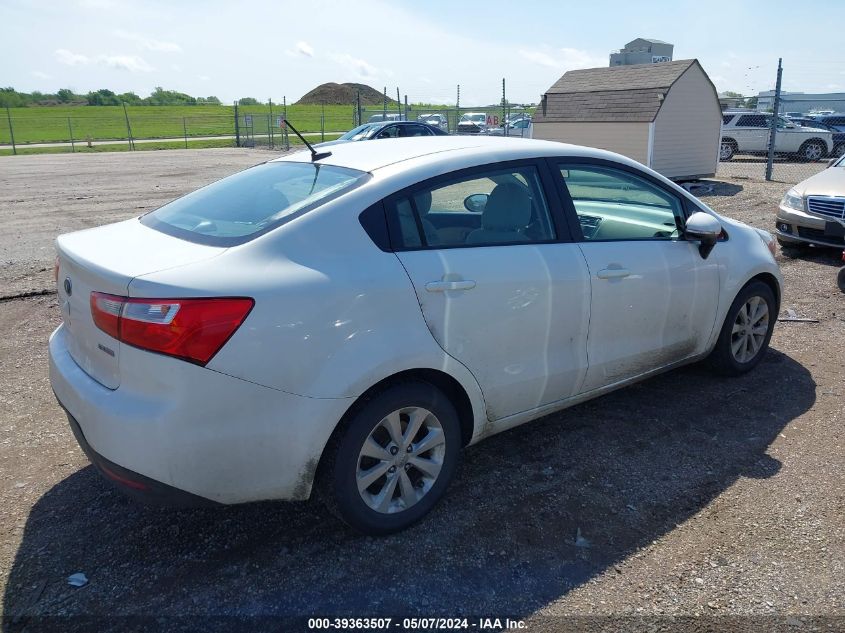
<point x="686" y="495"/>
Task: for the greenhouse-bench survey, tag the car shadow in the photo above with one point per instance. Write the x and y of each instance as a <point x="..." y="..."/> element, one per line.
<point x="825" y="255"/>
<point x="706" y="188"/>
<point x="534" y="513"/>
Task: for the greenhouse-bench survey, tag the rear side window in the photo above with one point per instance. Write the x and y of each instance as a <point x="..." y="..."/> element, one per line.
<point x="238" y="208"/>
<point x="727" y="118"/>
<point x="753" y="120"/>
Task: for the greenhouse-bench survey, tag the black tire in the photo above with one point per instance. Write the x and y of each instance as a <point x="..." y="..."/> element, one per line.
<point x="337" y="485"/>
<point x="840" y="279"/>
<point x="811" y="151"/>
<point x="722" y="359"/>
<point x="727" y="149"/>
<point x="838" y="150"/>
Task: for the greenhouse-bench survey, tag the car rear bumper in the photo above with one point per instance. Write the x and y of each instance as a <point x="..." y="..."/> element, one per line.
<point x="190" y="434"/>
<point x="802" y="228"/>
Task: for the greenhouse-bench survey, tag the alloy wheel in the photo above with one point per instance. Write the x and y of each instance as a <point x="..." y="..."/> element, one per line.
<point x="813" y="151"/>
<point x="749" y="329"/>
<point x="726" y="151"/>
<point x="400" y="460"/>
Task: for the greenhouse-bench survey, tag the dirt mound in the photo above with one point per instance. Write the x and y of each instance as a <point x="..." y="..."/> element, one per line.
<point x="343" y="94"/>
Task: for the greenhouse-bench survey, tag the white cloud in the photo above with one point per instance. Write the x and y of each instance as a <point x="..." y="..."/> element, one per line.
<point x="302" y="49"/>
<point x="359" y="67"/>
<point x="40" y="75"/>
<point x="64" y="56"/>
<point x="132" y="63"/>
<point x="562" y="59"/>
<point x="158" y="46"/>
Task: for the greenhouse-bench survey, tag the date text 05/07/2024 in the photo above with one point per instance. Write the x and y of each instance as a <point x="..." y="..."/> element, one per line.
<point x="413" y="624"/>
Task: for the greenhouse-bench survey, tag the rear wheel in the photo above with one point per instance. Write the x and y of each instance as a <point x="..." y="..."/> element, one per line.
<point x="811" y="151"/>
<point x="393" y="459"/>
<point x="839" y="150"/>
<point x="840" y="279"/>
<point x="747" y="330"/>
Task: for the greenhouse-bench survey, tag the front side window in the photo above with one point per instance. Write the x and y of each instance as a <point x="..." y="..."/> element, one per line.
<point x="415" y="130"/>
<point x="239" y="207"/>
<point x="391" y="131"/>
<point x="613" y="204"/>
<point x="495" y="207"/>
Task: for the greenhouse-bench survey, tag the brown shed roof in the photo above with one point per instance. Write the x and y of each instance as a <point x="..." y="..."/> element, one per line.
<point x="615" y="93"/>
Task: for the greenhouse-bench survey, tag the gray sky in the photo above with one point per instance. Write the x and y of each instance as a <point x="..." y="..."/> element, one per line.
<point x="269" y="49"/>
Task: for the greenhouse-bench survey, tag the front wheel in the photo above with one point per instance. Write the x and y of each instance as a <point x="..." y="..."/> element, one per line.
<point x="393" y="459"/>
<point x="726" y="150"/>
<point x="747" y="330"/>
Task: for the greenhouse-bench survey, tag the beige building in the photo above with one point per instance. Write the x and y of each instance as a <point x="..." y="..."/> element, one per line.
<point x="666" y="116"/>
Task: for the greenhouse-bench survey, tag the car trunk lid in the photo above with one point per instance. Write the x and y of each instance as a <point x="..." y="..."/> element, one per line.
<point x="107" y="259"/>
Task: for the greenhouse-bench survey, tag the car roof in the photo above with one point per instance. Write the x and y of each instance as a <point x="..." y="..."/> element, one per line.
<point x="370" y="157"/>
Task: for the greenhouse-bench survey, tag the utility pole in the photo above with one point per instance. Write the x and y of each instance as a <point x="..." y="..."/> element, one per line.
<point x="774" y="126"/>
<point x="504" y="109"/>
<point x="11" y="132"/>
<point x="406" y="107"/>
<point x="458" y="108"/>
<point x="237" y="127"/>
<point x="384" y="106"/>
<point x="398" y="102"/>
<point x="358" y="107"/>
<point x="128" y="128"/>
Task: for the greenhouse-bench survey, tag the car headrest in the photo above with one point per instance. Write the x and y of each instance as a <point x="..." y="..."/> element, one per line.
<point x="508" y="208"/>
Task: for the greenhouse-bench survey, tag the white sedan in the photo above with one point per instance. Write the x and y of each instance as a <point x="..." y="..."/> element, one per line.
<point x="347" y="323"/>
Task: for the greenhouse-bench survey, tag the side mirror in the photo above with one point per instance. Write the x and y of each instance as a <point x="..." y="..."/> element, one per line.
<point x="704" y="228"/>
<point x="476" y="202"/>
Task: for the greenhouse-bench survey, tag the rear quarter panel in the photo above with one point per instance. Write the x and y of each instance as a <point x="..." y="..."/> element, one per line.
<point x="333" y="314"/>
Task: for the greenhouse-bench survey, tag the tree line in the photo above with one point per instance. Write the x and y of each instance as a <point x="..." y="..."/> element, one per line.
<point x="11" y="98"/>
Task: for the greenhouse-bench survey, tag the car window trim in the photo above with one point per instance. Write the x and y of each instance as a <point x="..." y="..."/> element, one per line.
<point x="687" y="206"/>
<point x="561" y="227"/>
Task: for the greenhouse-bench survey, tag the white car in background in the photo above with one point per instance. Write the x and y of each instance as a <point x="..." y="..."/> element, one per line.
<point x="348" y="321"/>
<point x="472" y="123"/>
<point x="747" y="132"/>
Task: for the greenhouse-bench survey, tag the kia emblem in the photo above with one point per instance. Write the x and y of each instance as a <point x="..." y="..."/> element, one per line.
<point x="68" y="287"/>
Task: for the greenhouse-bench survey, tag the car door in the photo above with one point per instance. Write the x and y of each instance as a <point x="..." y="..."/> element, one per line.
<point x="752" y="132"/>
<point x="653" y="297"/>
<point x="789" y="136"/>
<point x="509" y="299"/>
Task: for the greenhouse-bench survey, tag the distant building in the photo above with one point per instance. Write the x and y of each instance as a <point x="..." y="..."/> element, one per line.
<point x="642" y="51"/>
<point x="801" y="101"/>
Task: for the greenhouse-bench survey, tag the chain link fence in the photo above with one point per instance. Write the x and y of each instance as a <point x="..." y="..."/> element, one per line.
<point x="788" y="147"/>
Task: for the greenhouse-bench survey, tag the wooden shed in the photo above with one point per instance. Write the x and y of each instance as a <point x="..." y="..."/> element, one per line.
<point x="666" y="115"/>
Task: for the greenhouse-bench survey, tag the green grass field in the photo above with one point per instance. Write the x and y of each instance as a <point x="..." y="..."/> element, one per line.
<point x="57" y="124"/>
<point x="100" y="123"/>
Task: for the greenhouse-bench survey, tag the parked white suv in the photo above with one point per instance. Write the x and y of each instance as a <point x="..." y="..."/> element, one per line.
<point x="748" y="133"/>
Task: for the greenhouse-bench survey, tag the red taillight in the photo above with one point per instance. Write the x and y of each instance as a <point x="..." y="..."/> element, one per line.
<point x="191" y="329"/>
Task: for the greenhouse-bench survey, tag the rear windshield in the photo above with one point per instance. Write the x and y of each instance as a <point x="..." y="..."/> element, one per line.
<point x="238" y="208"/>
